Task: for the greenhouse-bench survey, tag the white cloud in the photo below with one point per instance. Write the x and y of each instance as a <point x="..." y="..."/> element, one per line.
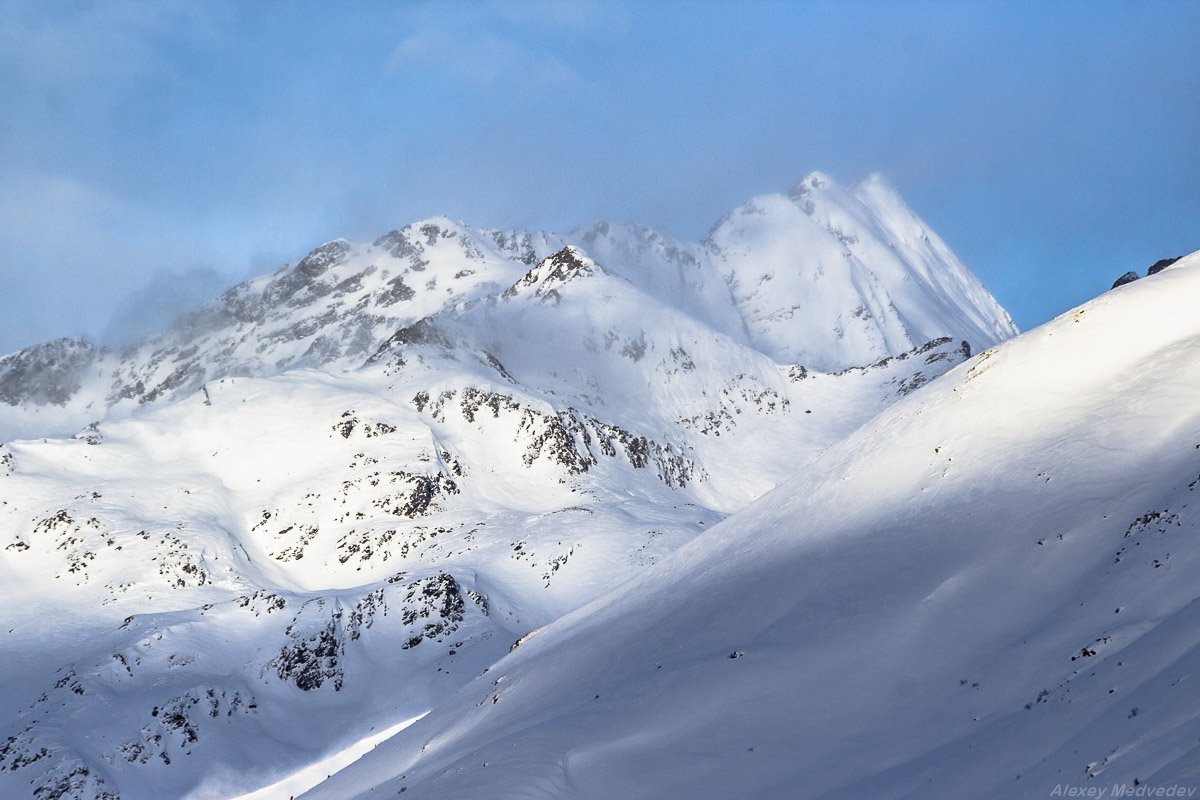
<point x="49" y="210"/>
<point x="103" y="45"/>
<point x="481" y="60"/>
<point x="169" y="294"/>
<point x="69" y="253"/>
<point x="590" y="15"/>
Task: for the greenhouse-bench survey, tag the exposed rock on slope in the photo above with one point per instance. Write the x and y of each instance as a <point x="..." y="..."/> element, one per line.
<point x="46" y="374"/>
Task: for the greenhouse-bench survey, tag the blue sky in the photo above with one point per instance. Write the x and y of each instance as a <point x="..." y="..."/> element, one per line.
<point x="152" y="153"/>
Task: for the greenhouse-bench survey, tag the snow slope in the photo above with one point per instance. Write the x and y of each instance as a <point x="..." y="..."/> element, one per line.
<point x="272" y="550"/>
<point x="987" y="591"/>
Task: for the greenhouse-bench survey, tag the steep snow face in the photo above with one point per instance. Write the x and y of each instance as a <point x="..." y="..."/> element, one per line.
<point x="826" y="276"/>
<point x="987" y="591"/>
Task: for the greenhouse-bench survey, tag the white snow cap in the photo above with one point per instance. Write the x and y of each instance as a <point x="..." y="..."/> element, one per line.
<point x="829" y="276"/>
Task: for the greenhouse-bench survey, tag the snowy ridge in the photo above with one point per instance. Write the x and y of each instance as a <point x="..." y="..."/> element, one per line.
<point x="327" y="500"/>
<point x="331" y="309"/>
<point x="827" y="278"/>
<point x="986" y="591"/>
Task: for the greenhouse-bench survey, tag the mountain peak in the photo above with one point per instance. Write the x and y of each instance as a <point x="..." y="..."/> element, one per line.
<point x="828" y="277"/>
<point x="811" y="182"/>
<point x="554" y="271"/>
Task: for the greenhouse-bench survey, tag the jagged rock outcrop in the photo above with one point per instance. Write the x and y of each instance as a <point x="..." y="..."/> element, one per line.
<point x="46" y="374"/>
<point x="547" y="276"/>
<point x="1161" y="264"/>
<point x="1128" y="277"/>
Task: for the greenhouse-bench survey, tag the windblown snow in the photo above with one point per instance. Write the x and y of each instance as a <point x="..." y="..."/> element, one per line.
<point x="330" y="500"/>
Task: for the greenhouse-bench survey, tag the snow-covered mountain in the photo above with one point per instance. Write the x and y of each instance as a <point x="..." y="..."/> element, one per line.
<point x="886" y="282"/>
<point x="827" y="278"/>
<point x="324" y="502"/>
<point x="989" y="590"/>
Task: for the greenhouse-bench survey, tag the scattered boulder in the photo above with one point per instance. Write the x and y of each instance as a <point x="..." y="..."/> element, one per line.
<point x="1128" y="277"/>
<point x="1155" y="268"/>
<point x="1161" y="264"/>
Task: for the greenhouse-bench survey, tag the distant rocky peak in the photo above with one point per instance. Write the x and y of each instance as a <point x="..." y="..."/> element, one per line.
<point x="805" y="191"/>
<point x="422" y="332"/>
<point x="597" y="229"/>
<point x="1128" y="277"/>
<point x="438" y="228"/>
<point x="810" y="183"/>
<point x="603" y="229"/>
<point x="551" y="273"/>
<point x="596" y="232"/>
<point x="53" y="350"/>
<point x="415" y="239"/>
<point x="1155" y="268"/>
<point x="516" y="245"/>
<point x="48" y="373"/>
<point x="569" y="262"/>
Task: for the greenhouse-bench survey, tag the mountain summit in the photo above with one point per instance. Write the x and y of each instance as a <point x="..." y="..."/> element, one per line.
<point x="830" y="274"/>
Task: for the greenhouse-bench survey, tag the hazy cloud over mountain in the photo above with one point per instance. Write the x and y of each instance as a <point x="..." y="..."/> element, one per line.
<point x="1051" y="149"/>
